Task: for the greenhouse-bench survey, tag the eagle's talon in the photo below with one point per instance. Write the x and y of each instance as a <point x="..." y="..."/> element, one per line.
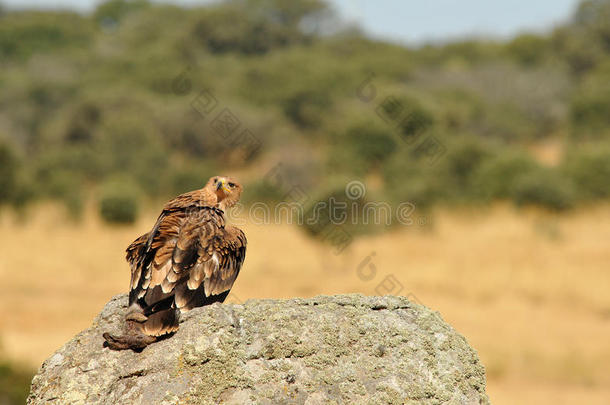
<point x="125" y="342"/>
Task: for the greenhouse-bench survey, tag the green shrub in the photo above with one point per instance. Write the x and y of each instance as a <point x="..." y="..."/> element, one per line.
<point x="496" y="177"/>
<point x="455" y="170"/>
<point x="83" y="121"/>
<point x="590" y="104"/>
<point x="370" y="142"/>
<point x="130" y="143"/>
<point x="579" y="49"/>
<point x="74" y="203"/>
<point x="14" y="383"/>
<point x="421" y="191"/>
<point x="589" y="169"/>
<point x="584" y="42"/>
<point x="262" y="191"/>
<point x="528" y="49"/>
<point x="409" y="180"/>
<point x="361" y="147"/>
<point x="324" y="220"/>
<point x="25" y="33"/>
<point x="225" y="29"/>
<point x="590" y="112"/>
<point x="78" y="161"/>
<point x="544" y="188"/>
<point x="306" y="108"/>
<point x="414" y="119"/>
<point x="8" y="173"/>
<point x="466" y="52"/>
<point x="25" y="191"/>
<point x="119" y="202"/>
<point x="509" y="122"/>
<point x="458" y="109"/>
<point x="256" y="27"/>
<point x="65" y="184"/>
<point x="111" y="12"/>
<point x="345" y="160"/>
<point x="191" y="177"/>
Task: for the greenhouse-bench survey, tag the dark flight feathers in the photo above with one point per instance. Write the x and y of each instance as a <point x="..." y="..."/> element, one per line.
<point x="189" y="259"/>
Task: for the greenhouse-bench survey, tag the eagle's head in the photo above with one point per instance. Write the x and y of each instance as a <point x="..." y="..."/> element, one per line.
<point x="226" y="189"/>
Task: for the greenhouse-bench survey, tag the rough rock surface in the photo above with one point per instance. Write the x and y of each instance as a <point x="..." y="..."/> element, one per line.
<point x="346" y="349"/>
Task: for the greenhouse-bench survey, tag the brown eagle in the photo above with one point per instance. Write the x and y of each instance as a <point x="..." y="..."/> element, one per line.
<point x="189" y="259"/>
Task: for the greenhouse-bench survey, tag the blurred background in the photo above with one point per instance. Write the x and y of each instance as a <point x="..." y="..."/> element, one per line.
<point x="490" y="119"/>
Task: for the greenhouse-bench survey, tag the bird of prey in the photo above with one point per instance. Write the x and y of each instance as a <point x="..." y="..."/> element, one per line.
<point x="189" y="259"/>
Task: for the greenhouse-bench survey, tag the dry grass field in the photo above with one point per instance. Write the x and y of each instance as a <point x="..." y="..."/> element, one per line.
<point x="530" y="291"/>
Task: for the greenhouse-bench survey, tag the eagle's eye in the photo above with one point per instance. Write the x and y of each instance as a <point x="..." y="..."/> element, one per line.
<point x="231" y="185"/>
<point x="215" y="181"/>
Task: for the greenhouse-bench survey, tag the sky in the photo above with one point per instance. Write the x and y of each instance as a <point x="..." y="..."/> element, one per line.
<point x="414" y="21"/>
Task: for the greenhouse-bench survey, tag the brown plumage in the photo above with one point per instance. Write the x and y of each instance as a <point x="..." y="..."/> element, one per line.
<point x="189" y="259"/>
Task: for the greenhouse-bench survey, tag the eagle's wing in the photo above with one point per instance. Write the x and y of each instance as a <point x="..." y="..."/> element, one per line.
<point x="135" y="252"/>
<point x="229" y="252"/>
<point x="189" y="259"/>
<point x="220" y="254"/>
<point x="146" y="254"/>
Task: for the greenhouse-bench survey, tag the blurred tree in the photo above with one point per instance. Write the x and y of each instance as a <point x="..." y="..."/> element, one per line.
<point x="109" y="13"/>
<point x="409" y="179"/>
<point x="118" y="203"/>
<point x="257" y="26"/>
<point x="496" y="177"/>
<point x="594" y="16"/>
<point x="591" y="104"/>
<point x="578" y="47"/>
<point x="63" y="184"/>
<point x="413" y="119"/>
<point x="25" y="33"/>
<point x="361" y="148"/>
<point x="145" y="102"/>
<point x="8" y="173"/>
<point x="191" y="176"/>
<point x="133" y="146"/>
<point x="589" y="168"/>
<point x="456" y="170"/>
<point x="461" y="53"/>
<point x="586" y="41"/>
<point x="333" y="211"/>
<point x="263" y="191"/>
<point x="14" y="383"/>
<point x="224" y="30"/>
<point x="545" y="188"/>
<point x="306" y="108"/>
<point x="529" y="49"/>
<point x="82" y="124"/>
<point x="289" y="14"/>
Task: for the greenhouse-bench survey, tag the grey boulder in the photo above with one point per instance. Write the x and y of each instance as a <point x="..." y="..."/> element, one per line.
<point x="347" y="349"/>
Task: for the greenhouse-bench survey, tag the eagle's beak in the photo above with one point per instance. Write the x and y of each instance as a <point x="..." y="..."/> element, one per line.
<point x="222" y="185"/>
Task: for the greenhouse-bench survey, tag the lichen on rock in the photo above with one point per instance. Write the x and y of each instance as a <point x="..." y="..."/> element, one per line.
<point x="346" y="349"/>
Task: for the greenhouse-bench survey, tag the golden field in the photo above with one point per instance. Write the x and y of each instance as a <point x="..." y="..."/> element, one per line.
<point x="530" y="291"/>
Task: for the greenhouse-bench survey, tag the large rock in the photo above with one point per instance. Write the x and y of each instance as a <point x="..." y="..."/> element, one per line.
<point x="343" y="349"/>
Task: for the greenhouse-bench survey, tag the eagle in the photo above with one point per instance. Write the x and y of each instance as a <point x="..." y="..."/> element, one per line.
<point x="190" y="258"/>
